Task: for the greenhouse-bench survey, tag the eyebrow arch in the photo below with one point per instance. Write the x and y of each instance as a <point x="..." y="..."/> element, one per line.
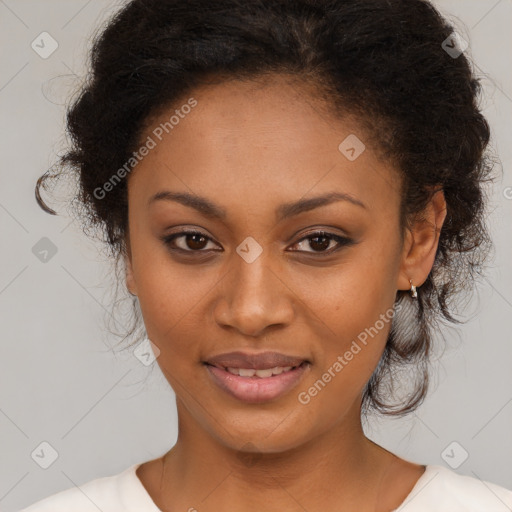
<point x="284" y="211"/>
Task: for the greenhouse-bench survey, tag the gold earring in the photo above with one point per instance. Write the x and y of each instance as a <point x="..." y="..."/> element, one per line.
<point x="413" y="290"/>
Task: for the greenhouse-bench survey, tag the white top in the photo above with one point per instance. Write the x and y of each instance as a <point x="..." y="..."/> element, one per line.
<point x="439" y="489"/>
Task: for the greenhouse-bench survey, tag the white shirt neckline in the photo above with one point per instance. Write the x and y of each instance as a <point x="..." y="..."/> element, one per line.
<point x="438" y="488"/>
<point x="139" y="496"/>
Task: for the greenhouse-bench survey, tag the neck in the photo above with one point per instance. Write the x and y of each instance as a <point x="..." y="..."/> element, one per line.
<point x="201" y="473"/>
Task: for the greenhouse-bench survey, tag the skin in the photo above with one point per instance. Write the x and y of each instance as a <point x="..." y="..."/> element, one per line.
<point x="248" y="151"/>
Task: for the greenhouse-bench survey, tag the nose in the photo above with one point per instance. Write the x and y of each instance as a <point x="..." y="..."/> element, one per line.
<point x="253" y="298"/>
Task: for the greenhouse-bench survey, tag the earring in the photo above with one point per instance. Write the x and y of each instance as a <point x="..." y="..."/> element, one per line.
<point x="414" y="294"/>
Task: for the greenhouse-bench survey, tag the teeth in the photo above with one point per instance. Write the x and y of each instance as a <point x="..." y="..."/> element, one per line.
<point x="246" y="372"/>
<point x="251" y="372"/>
<point x="264" y="373"/>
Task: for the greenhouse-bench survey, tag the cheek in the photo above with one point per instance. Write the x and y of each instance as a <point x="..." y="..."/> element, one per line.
<point x="169" y="295"/>
<point x="348" y="297"/>
<point x="169" y="304"/>
<point x="353" y="306"/>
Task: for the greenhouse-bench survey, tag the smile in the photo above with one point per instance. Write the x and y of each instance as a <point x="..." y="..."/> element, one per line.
<point x="251" y="372"/>
<point x="256" y="386"/>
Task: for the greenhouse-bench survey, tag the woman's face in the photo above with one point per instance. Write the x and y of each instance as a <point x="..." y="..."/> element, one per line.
<point x="254" y="171"/>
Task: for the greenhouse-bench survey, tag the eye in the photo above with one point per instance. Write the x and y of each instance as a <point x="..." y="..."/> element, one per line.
<point x="320" y="241"/>
<point x="196" y="241"/>
<point x="188" y="241"/>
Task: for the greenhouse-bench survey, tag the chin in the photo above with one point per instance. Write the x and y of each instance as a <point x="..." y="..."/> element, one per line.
<point x="269" y="433"/>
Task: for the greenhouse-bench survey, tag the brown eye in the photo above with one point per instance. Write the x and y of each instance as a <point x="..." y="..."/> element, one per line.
<point x="187" y="241"/>
<point x="195" y="241"/>
<point x="320" y="241"/>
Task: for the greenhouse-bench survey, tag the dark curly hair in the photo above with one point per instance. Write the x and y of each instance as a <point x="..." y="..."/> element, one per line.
<point x="381" y="61"/>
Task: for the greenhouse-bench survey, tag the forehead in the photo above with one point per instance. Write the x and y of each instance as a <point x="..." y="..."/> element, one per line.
<point x="272" y="141"/>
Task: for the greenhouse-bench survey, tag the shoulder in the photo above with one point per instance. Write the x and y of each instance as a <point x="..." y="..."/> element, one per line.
<point x="444" y="490"/>
<point x="107" y="494"/>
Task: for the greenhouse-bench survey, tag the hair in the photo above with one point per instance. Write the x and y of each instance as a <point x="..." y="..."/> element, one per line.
<point x="381" y="61"/>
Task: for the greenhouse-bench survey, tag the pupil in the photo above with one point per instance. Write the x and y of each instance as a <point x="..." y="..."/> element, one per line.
<point x="192" y="241"/>
<point x="322" y="245"/>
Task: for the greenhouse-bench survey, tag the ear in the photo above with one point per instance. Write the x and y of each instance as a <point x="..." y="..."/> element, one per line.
<point x="420" y="244"/>
<point x="130" y="279"/>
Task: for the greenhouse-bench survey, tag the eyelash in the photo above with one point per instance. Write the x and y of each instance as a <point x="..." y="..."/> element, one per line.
<point x="341" y="240"/>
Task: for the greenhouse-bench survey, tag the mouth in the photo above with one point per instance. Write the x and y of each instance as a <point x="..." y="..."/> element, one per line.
<point x="256" y="378"/>
<point x="261" y="374"/>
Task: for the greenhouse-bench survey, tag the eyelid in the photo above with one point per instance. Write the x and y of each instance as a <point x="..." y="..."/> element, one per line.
<point x="341" y="240"/>
<point x="169" y="238"/>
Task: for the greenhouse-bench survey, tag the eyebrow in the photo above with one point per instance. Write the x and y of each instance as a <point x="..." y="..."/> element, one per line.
<point x="284" y="211"/>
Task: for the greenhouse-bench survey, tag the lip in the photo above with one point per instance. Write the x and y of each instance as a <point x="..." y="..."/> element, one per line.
<point x="256" y="389"/>
<point x="261" y="361"/>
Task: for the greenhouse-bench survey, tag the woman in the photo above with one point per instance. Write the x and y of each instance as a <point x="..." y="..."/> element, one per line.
<point x="296" y="191"/>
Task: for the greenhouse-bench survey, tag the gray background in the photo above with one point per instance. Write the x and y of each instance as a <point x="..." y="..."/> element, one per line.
<point x="103" y="411"/>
